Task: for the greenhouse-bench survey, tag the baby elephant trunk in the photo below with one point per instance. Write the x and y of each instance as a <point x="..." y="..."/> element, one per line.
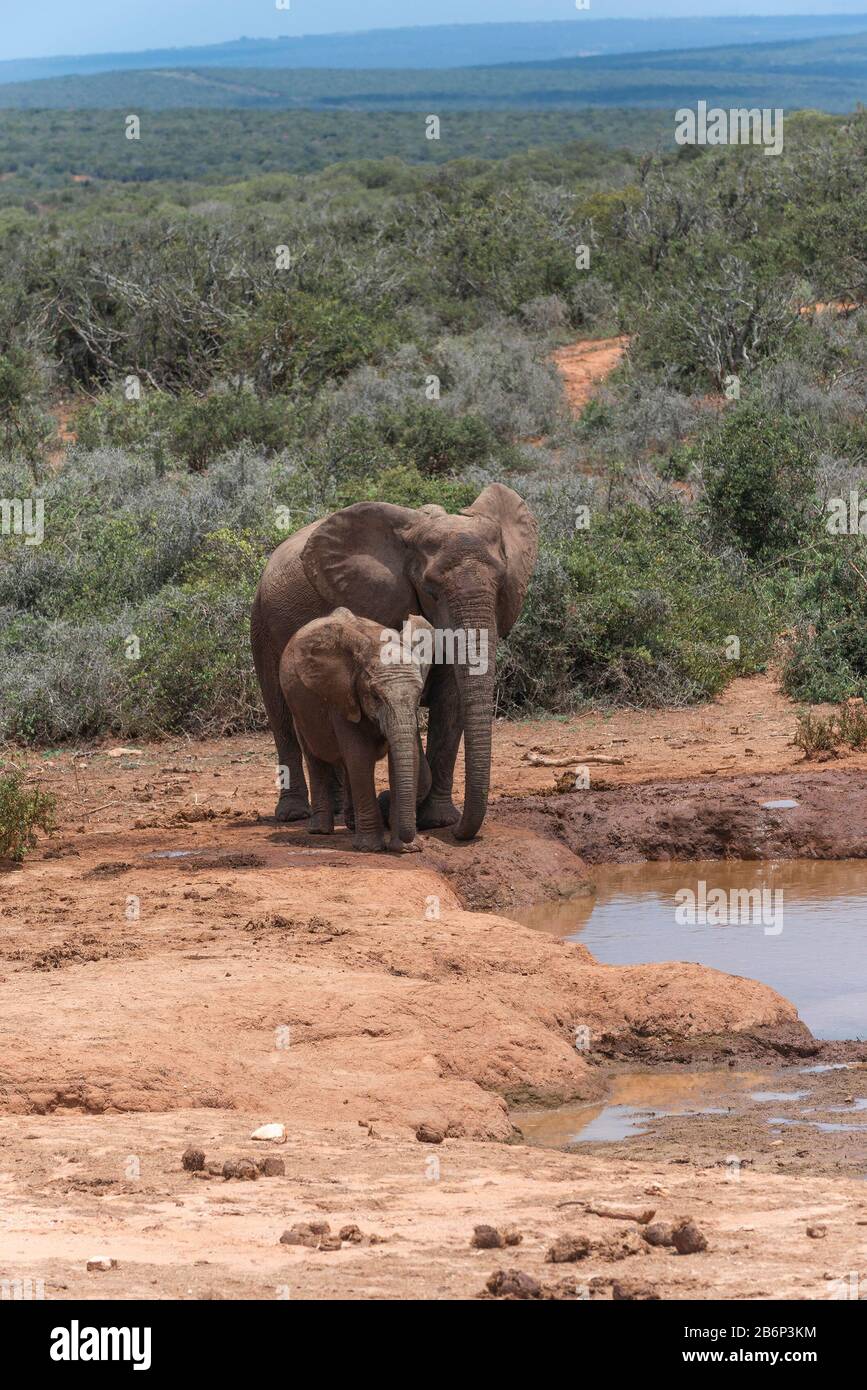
<point x="402" y="734"/>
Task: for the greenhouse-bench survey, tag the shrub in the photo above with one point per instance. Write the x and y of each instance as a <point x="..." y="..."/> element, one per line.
<point x="23" y="811"/>
<point x="186" y="428"/>
<point x="636" y="611"/>
<point x="819" y="737"/>
<point x="828" y="659"/>
<point x="759" y="472"/>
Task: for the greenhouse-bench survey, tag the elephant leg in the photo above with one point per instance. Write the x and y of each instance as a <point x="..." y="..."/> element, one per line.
<point x="293" y="803"/>
<point x="348" y="808"/>
<point x="424" y="774"/>
<point x="359" y="762"/>
<point x="321" y="784"/>
<point x="337" y="794"/>
<point x="443" y="740"/>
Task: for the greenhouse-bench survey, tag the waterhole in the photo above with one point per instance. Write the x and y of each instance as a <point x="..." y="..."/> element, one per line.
<point x="634" y="1100"/>
<point x="799" y="926"/>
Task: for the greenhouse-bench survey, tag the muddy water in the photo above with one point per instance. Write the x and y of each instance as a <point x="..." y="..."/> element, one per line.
<point x="806" y="936"/>
<point x="636" y="1099"/>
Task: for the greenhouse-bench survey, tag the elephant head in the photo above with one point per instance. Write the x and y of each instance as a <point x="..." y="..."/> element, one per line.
<point x="467" y="573"/>
<point x="350" y="662"/>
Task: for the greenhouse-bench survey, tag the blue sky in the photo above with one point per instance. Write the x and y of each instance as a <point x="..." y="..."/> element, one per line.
<point x="40" y="28"/>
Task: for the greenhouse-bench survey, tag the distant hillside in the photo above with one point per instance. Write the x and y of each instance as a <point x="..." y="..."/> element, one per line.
<point x="450" y="46"/>
<point x="827" y="74"/>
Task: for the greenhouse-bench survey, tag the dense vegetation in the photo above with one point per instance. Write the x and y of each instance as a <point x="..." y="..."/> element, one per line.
<point x="49" y="150"/>
<point x="822" y="73"/>
<point x="221" y="401"/>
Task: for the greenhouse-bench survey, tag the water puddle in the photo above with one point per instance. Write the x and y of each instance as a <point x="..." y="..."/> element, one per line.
<point x="799" y="926"/>
<point x="634" y="1100"/>
<point x="764" y="1096"/>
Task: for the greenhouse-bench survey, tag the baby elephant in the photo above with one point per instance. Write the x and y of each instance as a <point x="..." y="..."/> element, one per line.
<point x="352" y="701"/>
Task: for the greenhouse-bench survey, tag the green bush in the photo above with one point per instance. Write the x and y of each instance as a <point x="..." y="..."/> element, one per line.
<point x="635" y="611"/>
<point x="23" y="811"/>
<point x="186" y="428"/>
<point x="195" y="669"/>
<point x="759" y="471"/>
<point x="828" y="660"/>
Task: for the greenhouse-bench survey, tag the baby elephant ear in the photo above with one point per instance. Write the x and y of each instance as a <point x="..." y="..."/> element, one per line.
<point x="421" y="637"/>
<point x="520" y="534"/>
<point x="327" y="663"/>
<point x="358" y="556"/>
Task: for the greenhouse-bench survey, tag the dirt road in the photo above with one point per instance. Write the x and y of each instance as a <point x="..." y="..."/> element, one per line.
<point x="585" y="364"/>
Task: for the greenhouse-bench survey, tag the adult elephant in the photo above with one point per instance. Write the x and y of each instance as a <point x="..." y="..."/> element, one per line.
<point x="467" y="573"/>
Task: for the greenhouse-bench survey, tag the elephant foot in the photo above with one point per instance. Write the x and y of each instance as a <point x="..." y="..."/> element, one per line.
<point x="290" y="808"/>
<point x="321" y="823"/>
<point x="401" y="847"/>
<point x="372" y="841"/>
<point x="436" y="812"/>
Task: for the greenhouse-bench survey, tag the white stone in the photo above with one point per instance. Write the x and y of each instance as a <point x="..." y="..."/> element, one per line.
<point x="273" y="1132"/>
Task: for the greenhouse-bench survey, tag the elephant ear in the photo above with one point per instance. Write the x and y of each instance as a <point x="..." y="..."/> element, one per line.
<point x="520" y="533"/>
<point x="358" y="556"/>
<point x="326" y="659"/>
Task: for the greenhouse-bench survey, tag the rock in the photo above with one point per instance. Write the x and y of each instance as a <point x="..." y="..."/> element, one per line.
<point x="513" y="1283"/>
<point x="352" y="1234"/>
<point x="274" y="1133"/>
<point x="300" y="1234"/>
<point x="429" y="1134"/>
<point x="567" y="1249"/>
<point x="687" y="1238"/>
<point x="660" y="1233"/>
<point x="330" y="1243"/>
<point x="320" y="1228"/>
<point x="512" y="1236"/>
<point x="98" y="1262"/>
<point x="215" y="1169"/>
<point x="817" y="1232"/>
<point x="630" y="1290"/>
<point x="620" y="1245"/>
<point x="246" y="1170"/>
<point x="272" y="1167"/>
<point x="230" y="1169"/>
<point x="487" y="1238"/>
<point x="566" y="1290"/>
<point x="193" y="1160"/>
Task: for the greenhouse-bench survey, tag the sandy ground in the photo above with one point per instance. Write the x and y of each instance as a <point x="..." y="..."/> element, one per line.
<point x="261" y="975"/>
<point x="583" y="365"/>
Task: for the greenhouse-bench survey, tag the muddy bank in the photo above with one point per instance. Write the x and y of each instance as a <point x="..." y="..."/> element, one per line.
<point x="704" y="818"/>
<point x="806" y="1119"/>
<point x="260" y="969"/>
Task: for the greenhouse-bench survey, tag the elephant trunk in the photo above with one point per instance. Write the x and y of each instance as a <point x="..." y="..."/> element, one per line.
<point x="402" y="735"/>
<point x="475" y="680"/>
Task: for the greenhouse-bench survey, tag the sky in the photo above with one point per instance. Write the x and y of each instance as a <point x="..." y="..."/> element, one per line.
<point x="46" y="28"/>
